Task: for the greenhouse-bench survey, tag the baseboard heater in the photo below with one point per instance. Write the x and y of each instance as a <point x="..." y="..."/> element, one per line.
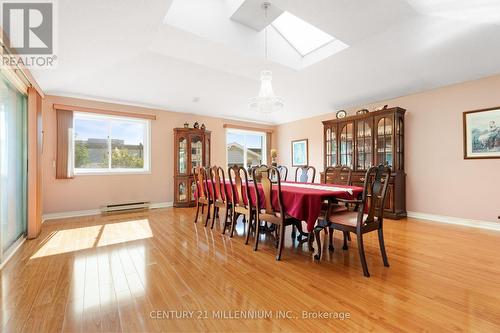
<point x="115" y="208"/>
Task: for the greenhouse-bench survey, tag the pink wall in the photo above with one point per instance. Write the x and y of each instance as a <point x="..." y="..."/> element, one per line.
<point x="439" y="180"/>
<point x="90" y="192"/>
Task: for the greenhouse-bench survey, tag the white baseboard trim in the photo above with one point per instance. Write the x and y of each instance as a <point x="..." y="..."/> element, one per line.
<point x="456" y="221"/>
<point x="78" y="213"/>
<point x="20" y="242"/>
<point x="161" y="205"/>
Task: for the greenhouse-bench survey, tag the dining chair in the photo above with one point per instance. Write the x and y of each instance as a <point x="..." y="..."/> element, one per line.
<point x="340" y="175"/>
<point x="283" y="172"/>
<point x="304" y="174"/>
<point x="242" y="205"/>
<point x="220" y="197"/>
<point x="368" y="217"/>
<point x="203" y="197"/>
<point x="268" y="213"/>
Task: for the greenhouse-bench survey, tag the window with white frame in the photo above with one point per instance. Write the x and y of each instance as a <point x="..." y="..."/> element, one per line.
<point x="110" y="144"/>
<point x="245" y="148"/>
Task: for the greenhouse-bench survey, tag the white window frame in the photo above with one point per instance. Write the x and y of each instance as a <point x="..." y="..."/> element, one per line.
<point x="114" y="171"/>
<point x="244" y="132"/>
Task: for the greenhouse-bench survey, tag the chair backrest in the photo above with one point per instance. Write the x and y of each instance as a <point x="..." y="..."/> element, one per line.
<point x="250" y="172"/>
<point x="263" y="176"/>
<point x="201" y="182"/>
<point x="341" y="175"/>
<point x="304" y="174"/>
<point x="283" y="172"/>
<point x="374" y="193"/>
<point x="218" y="181"/>
<point x="238" y="180"/>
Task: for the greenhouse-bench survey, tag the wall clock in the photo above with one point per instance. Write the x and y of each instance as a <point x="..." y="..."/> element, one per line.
<point x="341" y="114"/>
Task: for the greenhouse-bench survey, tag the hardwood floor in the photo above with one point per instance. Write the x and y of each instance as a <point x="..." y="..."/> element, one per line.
<point x="128" y="272"/>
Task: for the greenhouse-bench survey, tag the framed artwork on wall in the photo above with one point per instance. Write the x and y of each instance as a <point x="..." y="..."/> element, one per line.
<point x="300" y="153"/>
<point x="482" y="133"/>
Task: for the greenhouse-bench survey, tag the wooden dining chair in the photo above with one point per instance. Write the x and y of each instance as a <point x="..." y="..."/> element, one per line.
<point x="268" y="213"/>
<point x="340" y="175"/>
<point x="220" y="197"/>
<point x="368" y="217"/>
<point x="203" y="196"/>
<point x="242" y="205"/>
<point x="283" y="172"/>
<point x="304" y="174"/>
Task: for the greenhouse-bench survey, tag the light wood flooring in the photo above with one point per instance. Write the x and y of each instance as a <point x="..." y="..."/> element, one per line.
<point x="130" y="272"/>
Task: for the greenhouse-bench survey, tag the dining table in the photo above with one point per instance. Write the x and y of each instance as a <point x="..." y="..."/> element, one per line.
<point x="303" y="201"/>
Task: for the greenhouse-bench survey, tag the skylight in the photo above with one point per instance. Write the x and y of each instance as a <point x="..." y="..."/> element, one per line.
<point x="304" y="37"/>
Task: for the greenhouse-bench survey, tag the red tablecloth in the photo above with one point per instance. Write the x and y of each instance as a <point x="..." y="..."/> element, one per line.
<point x="302" y="203"/>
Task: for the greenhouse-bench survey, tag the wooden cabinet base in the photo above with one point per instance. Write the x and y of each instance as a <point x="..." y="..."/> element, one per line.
<point x="184" y="204"/>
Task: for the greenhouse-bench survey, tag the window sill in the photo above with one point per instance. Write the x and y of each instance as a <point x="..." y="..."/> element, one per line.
<point x="112" y="173"/>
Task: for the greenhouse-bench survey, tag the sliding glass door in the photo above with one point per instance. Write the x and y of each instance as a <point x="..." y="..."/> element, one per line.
<point x="13" y="164"/>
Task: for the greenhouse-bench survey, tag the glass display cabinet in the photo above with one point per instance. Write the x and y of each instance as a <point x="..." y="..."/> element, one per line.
<point x="369" y="139"/>
<point x="191" y="149"/>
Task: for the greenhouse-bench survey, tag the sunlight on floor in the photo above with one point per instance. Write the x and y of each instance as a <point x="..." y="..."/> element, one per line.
<point x="77" y="239"/>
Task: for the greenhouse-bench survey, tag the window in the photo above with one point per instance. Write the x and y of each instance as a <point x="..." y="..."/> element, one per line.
<point x="302" y="36"/>
<point x="109" y="144"/>
<point x="245" y="148"/>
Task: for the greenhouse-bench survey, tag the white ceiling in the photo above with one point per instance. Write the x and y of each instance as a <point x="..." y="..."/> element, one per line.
<point x="163" y="53"/>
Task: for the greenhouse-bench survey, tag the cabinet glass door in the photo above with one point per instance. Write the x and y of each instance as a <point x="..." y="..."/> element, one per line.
<point x="182" y="156"/>
<point x="400" y="143"/>
<point x="182" y="191"/>
<point x="207" y="150"/>
<point x="193" y="189"/>
<point x="384" y="141"/>
<point x="364" y="142"/>
<point x="196" y="151"/>
<point x="331" y="146"/>
<point x="346" y="144"/>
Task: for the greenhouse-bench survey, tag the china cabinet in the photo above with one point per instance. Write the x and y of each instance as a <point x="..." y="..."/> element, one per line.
<point x="364" y="140"/>
<point x="191" y="149"/>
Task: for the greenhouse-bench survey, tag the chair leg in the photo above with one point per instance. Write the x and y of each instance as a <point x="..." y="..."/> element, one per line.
<point x="301" y="231"/>
<point x="317" y="235"/>
<point x="382" y="246"/>
<point x="346" y="237"/>
<point x="197" y="212"/>
<point x="330" y="239"/>
<point x="257" y="231"/>
<point x="216" y="214"/>
<point x="233" y="224"/>
<point x="208" y="214"/>
<point x="249" y="229"/>
<point x="310" y="240"/>
<point x="361" y="249"/>
<point x="282" y="241"/>
<point x="227" y="214"/>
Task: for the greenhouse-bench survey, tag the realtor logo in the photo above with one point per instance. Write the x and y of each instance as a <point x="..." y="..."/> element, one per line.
<point x="29" y="26"/>
<point x="30" y="32"/>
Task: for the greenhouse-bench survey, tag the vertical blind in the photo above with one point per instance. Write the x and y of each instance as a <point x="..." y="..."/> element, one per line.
<point x="64" y="160"/>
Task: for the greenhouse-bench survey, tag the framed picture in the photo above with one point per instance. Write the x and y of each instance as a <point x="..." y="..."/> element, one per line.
<point x="482" y="133"/>
<point x="300" y="153"/>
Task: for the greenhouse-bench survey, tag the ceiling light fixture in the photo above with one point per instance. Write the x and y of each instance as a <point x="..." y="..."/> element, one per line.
<point x="266" y="101"/>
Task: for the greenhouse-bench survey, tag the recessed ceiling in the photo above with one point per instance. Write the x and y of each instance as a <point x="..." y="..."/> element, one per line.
<point x="252" y="14"/>
<point x="162" y="53"/>
<point x="304" y="37"/>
